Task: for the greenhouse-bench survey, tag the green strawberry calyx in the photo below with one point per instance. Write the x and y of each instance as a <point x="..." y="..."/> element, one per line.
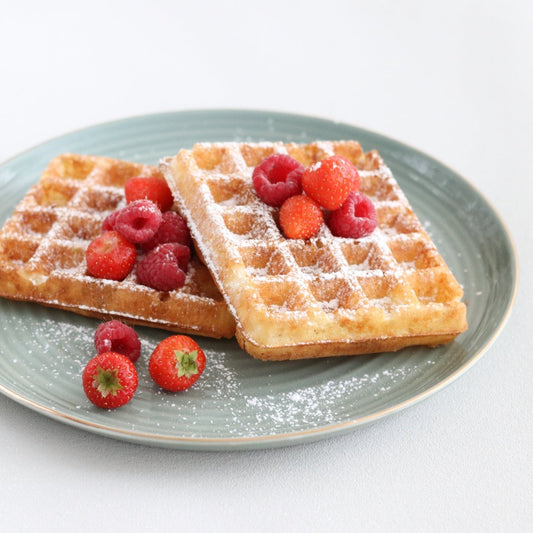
<point x="186" y="363"/>
<point x="106" y="381"/>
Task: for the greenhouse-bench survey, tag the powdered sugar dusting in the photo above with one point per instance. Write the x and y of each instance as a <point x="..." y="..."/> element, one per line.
<point x="236" y="396"/>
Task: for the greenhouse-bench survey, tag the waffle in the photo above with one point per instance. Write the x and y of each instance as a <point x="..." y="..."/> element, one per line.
<point x="325" y="296"/>
<point x="42" y="253"/>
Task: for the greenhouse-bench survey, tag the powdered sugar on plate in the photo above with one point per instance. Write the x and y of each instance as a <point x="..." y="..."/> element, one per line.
<point x="237" y="396"/>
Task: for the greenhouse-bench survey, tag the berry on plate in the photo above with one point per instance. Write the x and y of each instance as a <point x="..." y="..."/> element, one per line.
<point x="115" y="336"/>
<point x="149" y="188"/>
<point x="356" y="218"/>
<point x="276" y="178"/>
<point x="110" y="380"/>
<point x="173" y="228"/>
<point x="110" y="256"/>
<point x="300" y="217"/>
<point x="176" y="363"/>
<point x="138" y="221"/>
<point x="164" y="267"/>
<point x="330" y="181"/>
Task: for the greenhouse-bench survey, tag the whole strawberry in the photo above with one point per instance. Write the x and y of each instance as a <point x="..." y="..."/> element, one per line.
<point x="300" y="217"/>
<point x="176" y="363"/>
<point x="110" y="256"/>
<point x="110" y="380"/>
<point x="330" y="181"/>
<point x="151" y="188"/>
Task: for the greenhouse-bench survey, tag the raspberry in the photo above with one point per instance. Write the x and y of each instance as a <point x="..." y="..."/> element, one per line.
<point x="164" y="267"/>
<point x="329" y="181"/>
<point x="173" y="228"/>
<point x="115" y="336"/>
<point x="356" y="218"/>
<point x="276" y="178"/>
<point x="149" y="188"/>
<point x="109" y="222"/>
<point x="300" y="217"/>
<point x="110" y="256"/>
<point x="139" y="221"/>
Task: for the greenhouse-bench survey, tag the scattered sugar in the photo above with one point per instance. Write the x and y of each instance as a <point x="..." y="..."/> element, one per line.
<point x="237" y="395"/>
<point x="317" y="405"/>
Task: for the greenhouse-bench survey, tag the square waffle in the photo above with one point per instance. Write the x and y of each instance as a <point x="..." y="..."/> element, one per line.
<point x="43" y="243"/>
<point x="325" y="296"/>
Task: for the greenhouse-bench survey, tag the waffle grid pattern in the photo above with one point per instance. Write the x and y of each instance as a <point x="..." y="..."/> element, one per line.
<point x="293" y="298"/>
<point x="43" y="243"/>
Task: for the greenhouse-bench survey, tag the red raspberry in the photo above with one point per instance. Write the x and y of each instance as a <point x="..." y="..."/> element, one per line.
<point x="276" y="178"/>
<point x="329" y="181"/>
<point x="115" y="336"/>
<point x="356" y="218"/>
<point x="300" y="217"/>
<point x="110" y="380"/>
<point x="149" y="188"/>
<point x="176" y="363"/>
<point x="109" y="222"/>
<point x="173" y="228"/>
<point x="110" y="256"/>
<point x="164" y="267"/>
<point x="139" y="221"/>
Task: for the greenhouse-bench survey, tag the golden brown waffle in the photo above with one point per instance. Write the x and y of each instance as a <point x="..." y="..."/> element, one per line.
<point x="325" y="296"/>
<point x="42" y="253"/>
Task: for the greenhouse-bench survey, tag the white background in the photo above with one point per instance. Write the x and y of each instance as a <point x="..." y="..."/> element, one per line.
<point x="454" y="79"/>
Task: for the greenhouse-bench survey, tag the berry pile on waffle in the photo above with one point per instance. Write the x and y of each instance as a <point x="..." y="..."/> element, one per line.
<point x="288" y="281"/>
<point x="43" y="253"/>
<point x="324" y="295"/>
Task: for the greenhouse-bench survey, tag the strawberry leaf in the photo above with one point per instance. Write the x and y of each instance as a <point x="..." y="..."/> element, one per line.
<point x="186" y="363"/>
<point x="106" y="381"/>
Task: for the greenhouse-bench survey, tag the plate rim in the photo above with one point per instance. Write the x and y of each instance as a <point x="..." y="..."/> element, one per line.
<point x="288" y="438"/>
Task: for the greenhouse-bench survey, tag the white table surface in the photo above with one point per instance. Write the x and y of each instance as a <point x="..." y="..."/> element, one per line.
<point x="453" y="79"/>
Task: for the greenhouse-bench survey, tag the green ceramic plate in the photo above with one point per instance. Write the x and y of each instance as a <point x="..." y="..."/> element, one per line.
<point x="240" y="402"/>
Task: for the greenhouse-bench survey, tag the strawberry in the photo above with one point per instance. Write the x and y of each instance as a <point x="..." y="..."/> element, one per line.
<point x="110" y="256"/>
<point x="149" y="188"/>
<point x="300" y="217"/>
<point x="110" y="380"/>
<point x="176" y="363"/>
<point x="329" y="181"/>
